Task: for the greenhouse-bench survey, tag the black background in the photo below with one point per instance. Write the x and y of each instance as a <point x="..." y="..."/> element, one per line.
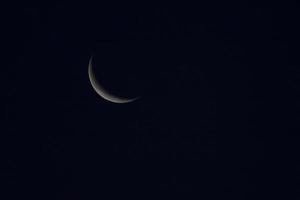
<point x="216" y="118"/>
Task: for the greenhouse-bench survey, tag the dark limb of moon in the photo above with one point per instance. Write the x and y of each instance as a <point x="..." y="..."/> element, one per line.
<point x="102" y="91"/>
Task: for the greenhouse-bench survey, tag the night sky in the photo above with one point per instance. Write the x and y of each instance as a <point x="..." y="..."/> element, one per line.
<point x="216" y="119"/>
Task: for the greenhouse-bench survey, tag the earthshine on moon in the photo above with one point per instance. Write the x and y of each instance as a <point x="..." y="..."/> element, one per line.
<point x="102" y="91"/>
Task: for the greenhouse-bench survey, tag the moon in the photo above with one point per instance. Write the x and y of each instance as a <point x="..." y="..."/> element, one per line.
<point x="100" y="90"/>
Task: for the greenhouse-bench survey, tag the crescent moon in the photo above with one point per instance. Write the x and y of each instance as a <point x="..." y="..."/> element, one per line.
<point x="102" y="91"/>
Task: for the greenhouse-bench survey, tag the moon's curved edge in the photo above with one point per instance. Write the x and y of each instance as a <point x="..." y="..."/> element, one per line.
<point x="102" y="91"/>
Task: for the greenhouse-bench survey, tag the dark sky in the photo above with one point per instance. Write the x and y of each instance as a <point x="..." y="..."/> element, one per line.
<point x="216" y="119"/>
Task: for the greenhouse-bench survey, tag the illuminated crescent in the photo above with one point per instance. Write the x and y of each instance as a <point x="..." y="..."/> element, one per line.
<point x="102" y="91"/>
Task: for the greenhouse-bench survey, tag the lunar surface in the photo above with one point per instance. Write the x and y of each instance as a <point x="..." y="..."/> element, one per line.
<point x="104" y="93"/>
